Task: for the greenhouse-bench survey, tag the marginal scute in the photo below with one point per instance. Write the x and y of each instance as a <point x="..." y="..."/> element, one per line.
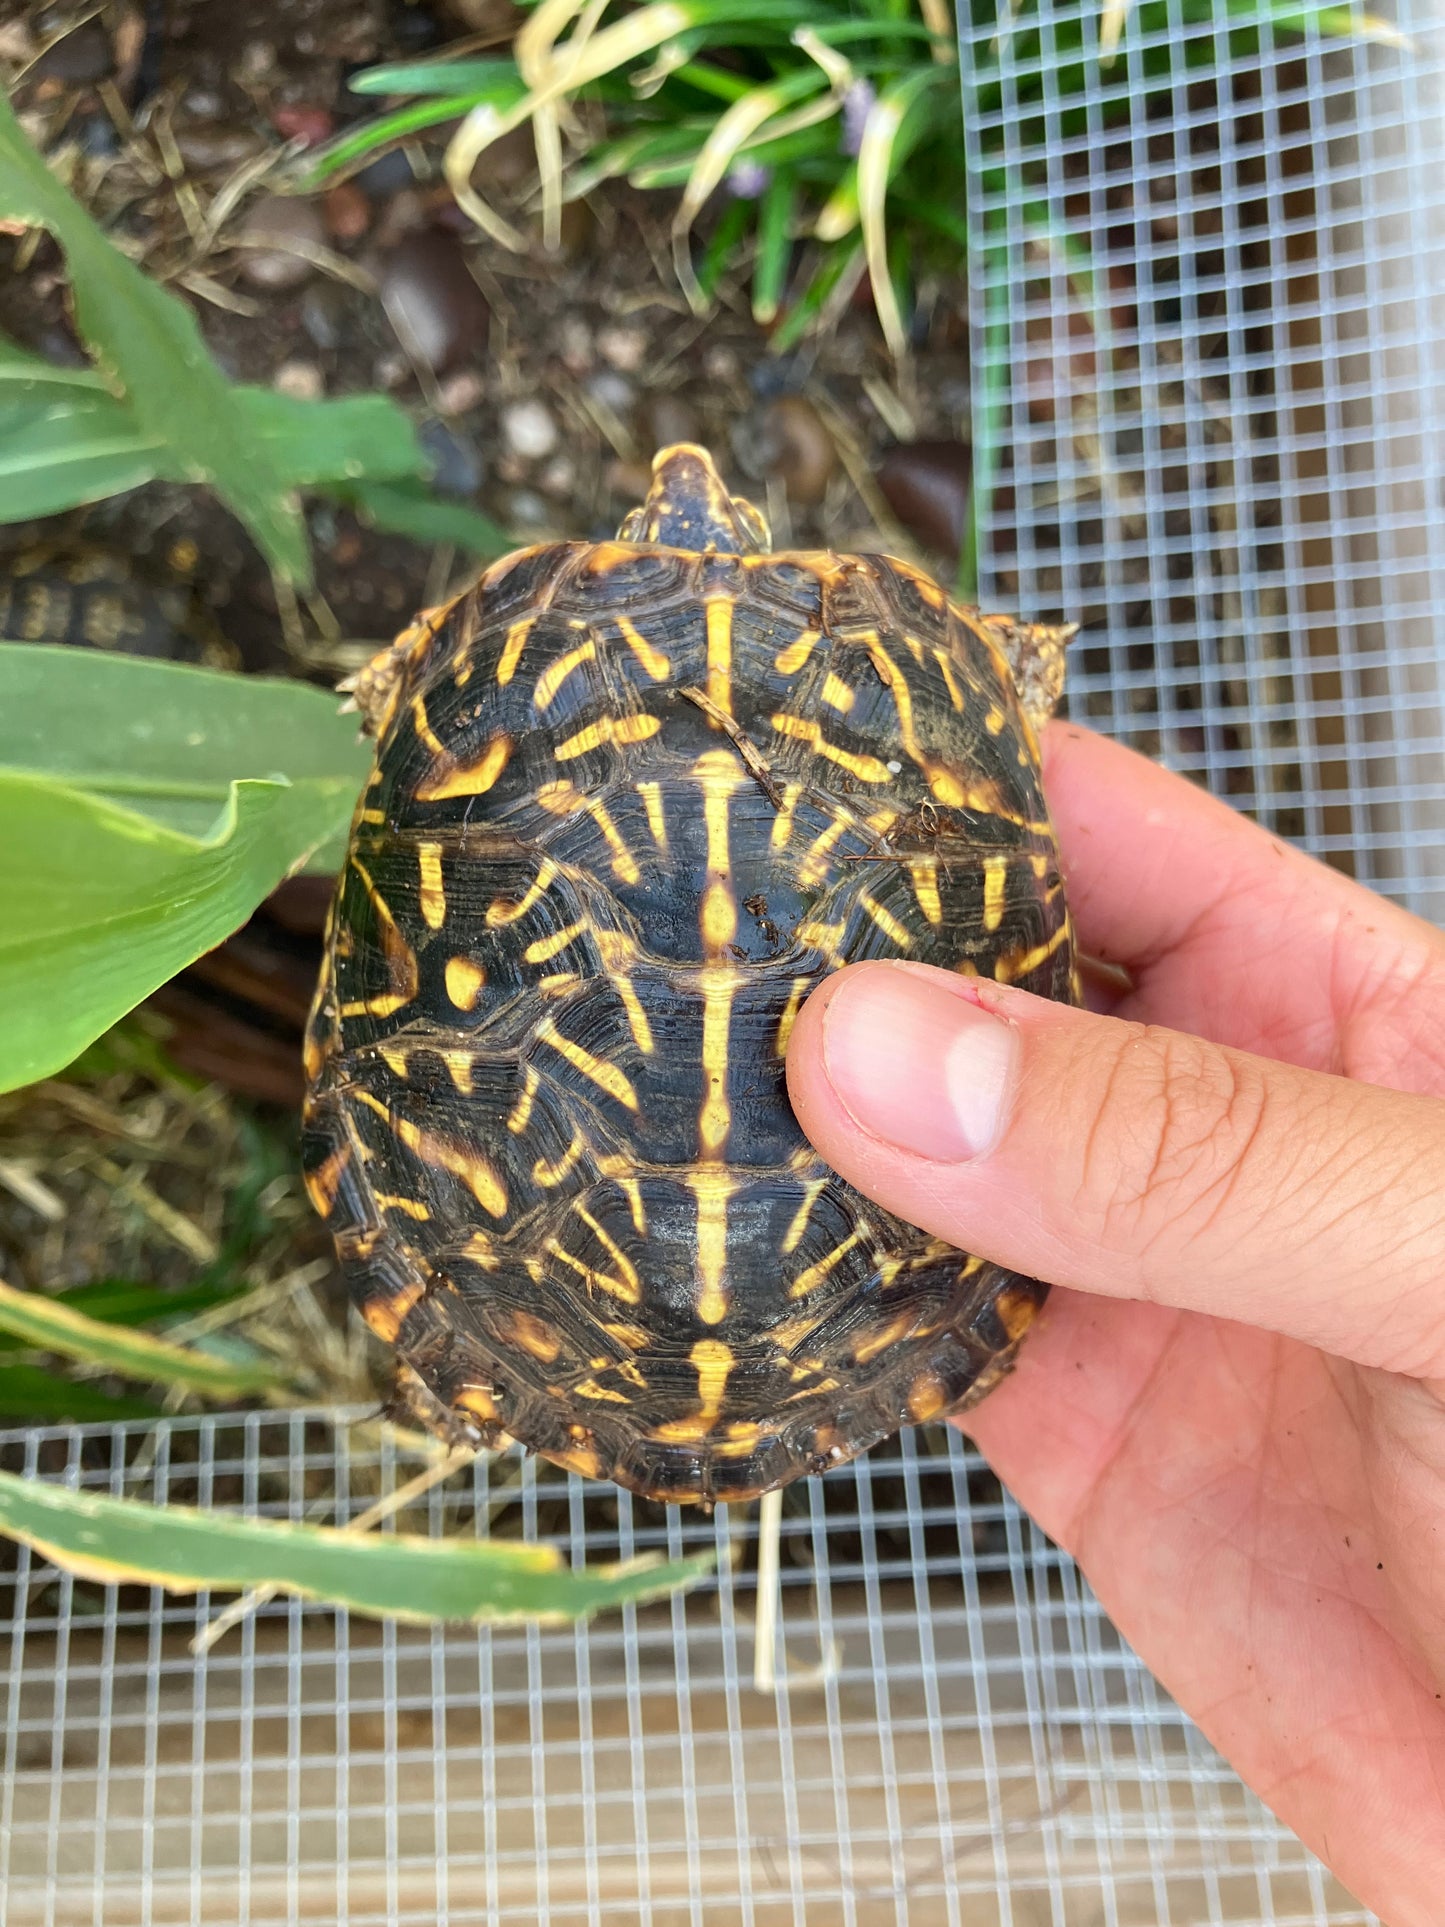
<point x="633" y="801"/>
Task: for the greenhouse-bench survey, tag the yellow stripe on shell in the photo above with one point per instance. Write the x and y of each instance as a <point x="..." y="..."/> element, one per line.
<point x="432" y="895"/>
<point x="556" y="673"/>
<point x="464" y="980"/>
<point x="886" y="921"/>
<point x="654" y="663"/>
<point x="512" y="650"/>
<point x="790" y="660"/>
<point x="616" y="730"/>
<point x="607" y="1077"/>
<point x="467" y="779"/>
<point x="719" y="616"/>
<point x="803" y="729"/>
<point x="809" y="1280"/>
<point x="1009" y="969"/>
<point x="995" y="883"/>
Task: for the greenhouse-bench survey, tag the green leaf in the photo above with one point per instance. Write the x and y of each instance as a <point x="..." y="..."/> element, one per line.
<point x="145" y="810"/>
<point x="148" y="338"/>
<point x="41" y="1323"/>
<point x="383" y="1576"/>
<point x="126" y="1301"/>
<point x="496" y="79"/>
<point x="315" y="443"/>
<point x="36" y="1396"/>
<point x="70" y="448"/>
<point x="406" y="509"/>
<point x="165" y="739"/>
<point x="775" y="247"/>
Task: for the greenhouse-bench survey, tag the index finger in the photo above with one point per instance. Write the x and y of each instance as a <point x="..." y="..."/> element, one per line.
<point x="1226" y="929"/>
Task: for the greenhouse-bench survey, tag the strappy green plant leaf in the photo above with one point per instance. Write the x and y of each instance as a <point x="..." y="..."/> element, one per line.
<point x="145" y="810"/>
<point x="44" y="1324"/>
<point x="400" y="1576"/>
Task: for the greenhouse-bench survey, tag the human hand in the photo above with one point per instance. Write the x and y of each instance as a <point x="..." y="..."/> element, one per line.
<point x="1234" y="1415"/>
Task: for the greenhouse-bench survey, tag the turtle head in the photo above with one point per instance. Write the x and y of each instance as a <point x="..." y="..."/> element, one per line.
<point x="688" y="507"/>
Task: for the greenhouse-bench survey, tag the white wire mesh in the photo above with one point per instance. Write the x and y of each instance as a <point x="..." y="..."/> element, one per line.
<point x="1208" y="319"/>
<point x="985" y="1753"/>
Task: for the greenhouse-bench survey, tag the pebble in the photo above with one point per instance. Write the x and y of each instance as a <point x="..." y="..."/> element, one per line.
<point x="292" y="225"/>
<point x="927" y="486"/>
<point x="385" y="175"/>
<point x="622" y="348"/>
<point x="78" y="60"/>
<point x="574" y="344"/>
<point x="559" y="478"/>
<point x="456" y="462"/>
<point x="460" y="393"/>
<point x="804" y="456"/>
<point x="721" y="363"/>
<point x="530" y="429"/>
<point x="347" y="212"/>
<point x="439" y="313"/>
<point x="613" y="390"/>
<point x="202" y="146"/>
<point x="525" y="509"/>
<point x="299" y="121"/>
<point x="302" y="380"/>
<point x="321" y="311"/>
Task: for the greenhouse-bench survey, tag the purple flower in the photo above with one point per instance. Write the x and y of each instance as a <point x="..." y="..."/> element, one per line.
<point x="748" y="179"/>
<point x="857" y="105"/>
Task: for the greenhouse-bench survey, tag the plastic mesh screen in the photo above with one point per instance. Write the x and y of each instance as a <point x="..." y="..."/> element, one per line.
<point x="1208" y="342"/>
<point x="982" y="1750"/>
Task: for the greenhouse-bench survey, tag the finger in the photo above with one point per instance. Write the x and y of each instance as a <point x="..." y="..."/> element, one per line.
<point x="1234" y="935"/>
<point x="1152" y="862"/>
<point x="1133" y="1161"/>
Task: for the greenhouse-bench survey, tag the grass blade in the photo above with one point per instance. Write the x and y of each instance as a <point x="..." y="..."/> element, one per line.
<point x="775" y="247"/>
<point x="42" y="1324"/>
<point x="34" y="1395"/>
<point x="394" y="1576"/>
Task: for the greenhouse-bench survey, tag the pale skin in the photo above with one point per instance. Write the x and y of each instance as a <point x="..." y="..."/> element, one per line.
<point x="1233" y="1411"/>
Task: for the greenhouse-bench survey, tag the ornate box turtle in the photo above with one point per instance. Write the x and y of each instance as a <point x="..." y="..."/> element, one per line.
<point x="632" y="800"/>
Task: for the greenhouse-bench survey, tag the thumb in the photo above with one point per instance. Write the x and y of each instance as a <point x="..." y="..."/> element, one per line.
<point x="1133" y="1161"/>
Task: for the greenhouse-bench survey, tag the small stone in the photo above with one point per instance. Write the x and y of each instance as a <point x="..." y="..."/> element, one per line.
<point x="439" y="313"/>
<point x="321" y="311"/>
<point x="405" y="213"/>
<point x="385" y="175"/>
<point x="97" y="136"/>
<point x="622" y="348"/>
<point x="391" y="371"/>
<point x="347" y="212"/>
<point x="574" y="344"/>
<point x="667" y="419"/>
<point x="460" y="393"/>
<point x="720" y="363"/>
<point x="805" y="456"/>
<point x="80" y="59"/>
<point x="525" y="509"/>
<point x="302" y="380"/>
<point x="202" y="146"/>
<point x="456" y="464"/>
<point x="529" y="429"/>
<point x="614" y="391"/>
<point x="279" y="232"/>
<point x="559" y="478"/>
<point x="302" y="122"/>
<point x="928" y="487"/>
